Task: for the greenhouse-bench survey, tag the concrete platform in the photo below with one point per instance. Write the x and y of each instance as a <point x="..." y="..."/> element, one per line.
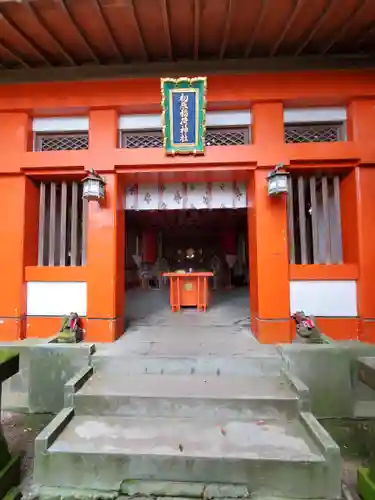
<point x="187" y="396"/>
<point x="273" y="457"/>
<point x="188" y="350"/>
<point x="209" y="341"/>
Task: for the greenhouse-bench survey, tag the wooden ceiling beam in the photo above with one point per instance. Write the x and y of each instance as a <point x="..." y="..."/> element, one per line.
<point x="228" y="21"/>
<point x="262" y="15"/>
<point x="296" y="10"/>
<point x="80" y="32"/>
<point x="165" y="15"/>
<point x="138" y="28"/>
<point x="206" y="67"/>
<point x="15" y="55"/>
<point x="26" y="38"/>
<point x="349" y="21"/>
<point x="197" y="12"/>
<point x="41" y="21"/>
<point x="110" y="33"/>
<point x="306" y="37"/>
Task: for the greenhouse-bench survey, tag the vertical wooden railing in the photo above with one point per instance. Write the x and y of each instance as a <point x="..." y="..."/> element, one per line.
<point x="42" y="223"/>
<point x="302" y="219"/>
<point x="314" y="220"/>
<point x="62" y="224"/>
<point x="290" y="205"/>
<point x="338" y="232"/>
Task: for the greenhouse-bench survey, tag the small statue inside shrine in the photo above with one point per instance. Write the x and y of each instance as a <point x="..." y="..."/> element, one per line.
<point x="70" y="332"/>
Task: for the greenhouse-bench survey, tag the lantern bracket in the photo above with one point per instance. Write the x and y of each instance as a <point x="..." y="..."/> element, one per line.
<point x="93" y="175"/>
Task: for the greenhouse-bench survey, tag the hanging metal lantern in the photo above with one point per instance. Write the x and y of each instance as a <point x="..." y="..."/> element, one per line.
<point x="93" y="187"/>
<point x="277" y="181"/>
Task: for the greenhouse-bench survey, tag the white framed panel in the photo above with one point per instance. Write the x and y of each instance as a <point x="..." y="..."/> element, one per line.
<point x="213" y="119"/>
<point x="315" y="115"/>
<point x="140" y="122"/>
<point x="228" y="118"/>
<point x="56" y="298"/>
<point x="61" y="124"/>
<point x="328" y="298"/>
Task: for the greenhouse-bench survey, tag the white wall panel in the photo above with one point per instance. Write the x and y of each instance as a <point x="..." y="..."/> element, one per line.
<point x="314" y="115"/>
<point x="324" y="298"/>
<point x="140" y="122"/>
<point x="61" y="124"/>
<point x="56" y="298"/>
<point x="228" y="118"/>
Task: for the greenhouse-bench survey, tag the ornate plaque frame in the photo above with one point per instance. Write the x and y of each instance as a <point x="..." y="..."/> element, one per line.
<point x="184" y="117"/>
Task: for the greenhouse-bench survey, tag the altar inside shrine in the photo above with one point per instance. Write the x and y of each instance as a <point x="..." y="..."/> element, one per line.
<point x="189" y="290"/>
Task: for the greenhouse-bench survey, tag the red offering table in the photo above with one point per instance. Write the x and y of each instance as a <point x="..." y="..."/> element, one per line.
<point x="188" y="289"/>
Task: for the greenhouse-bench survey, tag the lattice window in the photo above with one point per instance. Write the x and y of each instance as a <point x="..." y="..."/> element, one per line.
<point x="314" y="132"/>
<point x="227" y="136"/>
<point x="314" y="220"/>
<point x="61" y="142"/>
<point x="62" y="224"/>
<point x="234" y="136"/>
<point x="146" y="139"/>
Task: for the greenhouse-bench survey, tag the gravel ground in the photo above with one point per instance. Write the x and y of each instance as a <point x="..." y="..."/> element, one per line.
<point x="20" y="431"/>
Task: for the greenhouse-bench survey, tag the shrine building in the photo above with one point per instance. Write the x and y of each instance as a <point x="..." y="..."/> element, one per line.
<point x="144" y="144"/>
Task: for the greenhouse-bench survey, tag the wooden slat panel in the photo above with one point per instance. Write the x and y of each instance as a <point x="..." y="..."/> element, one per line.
<point x="85" y="207"/>
<point x="292" y="253"/>
<point x="314" y="220"/>
<point x="327" y="240"/>
<point x="74" y="225"/>
<point x="52" y="225"/>
<point x="338" y="234"/>
<point x="302" y="219"/>
<point x="63" y="212"/>
<point x="42" y="220"/>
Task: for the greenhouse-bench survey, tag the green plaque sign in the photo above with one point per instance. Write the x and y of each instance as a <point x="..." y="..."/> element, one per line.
<point x="184" y="115"/>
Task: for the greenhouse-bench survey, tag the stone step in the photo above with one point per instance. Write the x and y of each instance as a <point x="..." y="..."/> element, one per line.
<point x="256" y="365"/>
<point x="152" y="490"/>
<point x="186" y="396"/>
<point x="274" y="458"/>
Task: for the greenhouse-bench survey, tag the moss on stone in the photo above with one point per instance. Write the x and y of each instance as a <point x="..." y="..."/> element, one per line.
<point x="13" y="494"/>
<point x="6" y="354"/>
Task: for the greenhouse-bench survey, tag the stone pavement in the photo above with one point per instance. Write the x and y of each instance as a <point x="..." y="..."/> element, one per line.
<point x="227" y="308"/>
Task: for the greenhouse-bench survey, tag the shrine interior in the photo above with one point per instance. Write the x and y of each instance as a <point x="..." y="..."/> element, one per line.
<point x="162" y="241"/>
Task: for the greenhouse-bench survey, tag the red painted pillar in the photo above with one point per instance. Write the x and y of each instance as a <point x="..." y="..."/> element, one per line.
<point x="267" y="232"/>
<point x="19" y="202"/>
<point x="106" y="237"/>
<point x="269" y="266"/>
<point x="361" y="124"/>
